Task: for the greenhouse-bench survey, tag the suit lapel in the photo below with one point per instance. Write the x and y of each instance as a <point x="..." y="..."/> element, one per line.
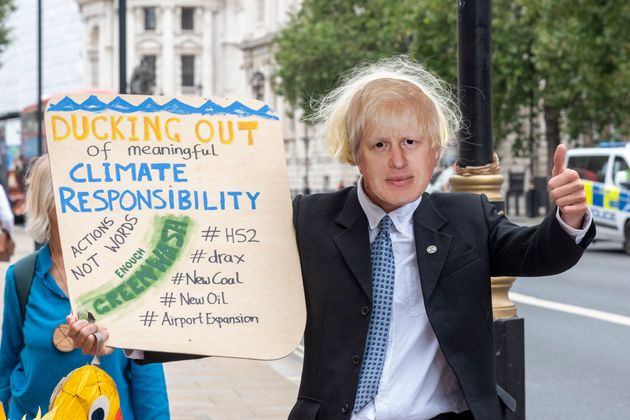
<point x="432" y="246"/>
<point x="353" y="242"/>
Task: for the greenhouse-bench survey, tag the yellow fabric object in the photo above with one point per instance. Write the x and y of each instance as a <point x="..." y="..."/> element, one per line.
<point x="49" y="416"/>
<point x="86" y="393"/>
<point x="2" y="415"/>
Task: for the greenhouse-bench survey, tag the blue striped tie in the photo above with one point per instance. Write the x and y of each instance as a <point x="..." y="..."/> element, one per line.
<point x="383" y="271"/>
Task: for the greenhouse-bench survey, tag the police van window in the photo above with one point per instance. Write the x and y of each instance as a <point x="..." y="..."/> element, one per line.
<point x="592" y="168"/>
<point x="619" y="165"/>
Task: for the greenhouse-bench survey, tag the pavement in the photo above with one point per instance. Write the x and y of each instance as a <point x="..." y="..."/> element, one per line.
<point x="215" y="388"/>
<point x="220" y="388"/>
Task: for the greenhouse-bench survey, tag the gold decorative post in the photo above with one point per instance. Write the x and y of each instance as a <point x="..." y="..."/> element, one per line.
<point x="487" y="180"/>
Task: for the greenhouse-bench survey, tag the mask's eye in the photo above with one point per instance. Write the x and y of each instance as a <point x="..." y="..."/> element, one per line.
<point x="409" y="142"/>
<point x="380" y="145"/>
<point x="99" y="409"/>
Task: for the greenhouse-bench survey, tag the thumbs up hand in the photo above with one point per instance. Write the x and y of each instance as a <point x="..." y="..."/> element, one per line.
<point x="567" y="190"/>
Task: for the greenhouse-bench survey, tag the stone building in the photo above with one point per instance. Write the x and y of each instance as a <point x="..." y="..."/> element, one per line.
<point x="203" y="48"/>
<point x="191" y="47"/>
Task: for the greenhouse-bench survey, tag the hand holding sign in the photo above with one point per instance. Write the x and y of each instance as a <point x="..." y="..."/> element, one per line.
<point x="82" y="334"/>
<point x="567" y="190"/>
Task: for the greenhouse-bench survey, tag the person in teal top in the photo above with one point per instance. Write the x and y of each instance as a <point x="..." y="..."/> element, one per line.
<point x="30" y="364"/>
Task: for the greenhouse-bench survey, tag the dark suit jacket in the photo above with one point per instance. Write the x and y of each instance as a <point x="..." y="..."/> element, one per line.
<point x="473" y="243"/>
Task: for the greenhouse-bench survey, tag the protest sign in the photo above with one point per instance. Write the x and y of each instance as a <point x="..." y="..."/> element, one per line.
<point x="176" y="223"/>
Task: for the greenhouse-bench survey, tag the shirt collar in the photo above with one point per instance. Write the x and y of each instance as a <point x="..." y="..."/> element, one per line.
<point x="44" y="261"/>
<point x="401" y="217"/>
<point x="42" y="269"/>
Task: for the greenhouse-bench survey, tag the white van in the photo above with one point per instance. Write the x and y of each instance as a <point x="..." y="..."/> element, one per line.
<point x="605" y="171"/>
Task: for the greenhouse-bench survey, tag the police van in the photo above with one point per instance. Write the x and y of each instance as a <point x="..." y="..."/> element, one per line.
<point x="605" y="171"/>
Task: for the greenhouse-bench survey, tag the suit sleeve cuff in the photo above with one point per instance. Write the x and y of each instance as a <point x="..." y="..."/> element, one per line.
<point x="576" y="234"/>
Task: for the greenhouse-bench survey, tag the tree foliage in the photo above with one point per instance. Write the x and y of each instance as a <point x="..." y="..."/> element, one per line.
<point x="327" y="37"/>
<point x="581" y="56"/>
<point x="6" y="7"/>
<point x="565" y="59"/>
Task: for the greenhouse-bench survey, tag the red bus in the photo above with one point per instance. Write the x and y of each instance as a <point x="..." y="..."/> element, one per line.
<point x="29" y="135"/>
<point x="29" y="150"/>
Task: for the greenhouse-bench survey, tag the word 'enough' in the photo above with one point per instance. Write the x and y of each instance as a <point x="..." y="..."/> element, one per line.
<point x="129" y="264"/>
<point x="147" y="128"/>
<point x="154" y="199"/>
<point x="172" y="238"/>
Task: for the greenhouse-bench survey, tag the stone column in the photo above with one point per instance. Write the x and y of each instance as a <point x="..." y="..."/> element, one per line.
<point x="168" y="51"/>
<point x="132" y="61"/>
<point x="88" y="49"/>
<point x="206" y="55"/>
<point x="109" y="65"/>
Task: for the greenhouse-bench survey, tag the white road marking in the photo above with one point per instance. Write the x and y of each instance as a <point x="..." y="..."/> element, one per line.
<point x="571" y="309"/>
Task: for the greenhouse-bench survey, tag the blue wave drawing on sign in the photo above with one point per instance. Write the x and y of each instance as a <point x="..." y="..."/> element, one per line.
<point x="174" y="106"/>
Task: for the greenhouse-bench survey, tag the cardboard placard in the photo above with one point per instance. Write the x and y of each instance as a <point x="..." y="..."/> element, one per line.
<point x="176" y="222"/>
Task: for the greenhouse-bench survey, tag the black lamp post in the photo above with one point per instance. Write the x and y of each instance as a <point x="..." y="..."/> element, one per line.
<point x="474" y="29"/>
<point x="474" y="80"/>
<point x="40" y="116"/>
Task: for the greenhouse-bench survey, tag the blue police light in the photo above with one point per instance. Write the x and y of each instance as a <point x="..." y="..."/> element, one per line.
<point x="614" y="144"/>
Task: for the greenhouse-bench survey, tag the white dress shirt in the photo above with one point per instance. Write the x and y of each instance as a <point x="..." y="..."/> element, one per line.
<point x="416" y="383"/>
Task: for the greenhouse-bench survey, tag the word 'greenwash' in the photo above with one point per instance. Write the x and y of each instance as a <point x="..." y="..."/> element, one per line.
<point x="168" y="244"/>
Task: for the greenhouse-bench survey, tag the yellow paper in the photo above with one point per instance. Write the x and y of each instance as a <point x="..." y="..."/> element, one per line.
<point x="84" y="391"/>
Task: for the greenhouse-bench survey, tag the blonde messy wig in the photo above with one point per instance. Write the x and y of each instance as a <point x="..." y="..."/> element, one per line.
<point x="39" y="199"/>
<point x="373" y="94"/>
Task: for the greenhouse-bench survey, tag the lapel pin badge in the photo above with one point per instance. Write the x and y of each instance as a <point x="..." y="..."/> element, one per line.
<point x="431" y="249"/>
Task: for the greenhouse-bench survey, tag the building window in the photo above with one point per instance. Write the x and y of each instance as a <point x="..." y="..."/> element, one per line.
<point x="92" y="56"/>
<point x="188" y="18"/>
<point x="150" y="61"/>
<point x="150" y="20"/>
<point x="188" y="70"/>
<point x="258" y="85"/>
<point x="143" y="76"/>
<point x="93" y="60"/>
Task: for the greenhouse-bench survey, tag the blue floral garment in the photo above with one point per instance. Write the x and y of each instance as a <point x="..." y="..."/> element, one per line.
<point x="31" y="367"/>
